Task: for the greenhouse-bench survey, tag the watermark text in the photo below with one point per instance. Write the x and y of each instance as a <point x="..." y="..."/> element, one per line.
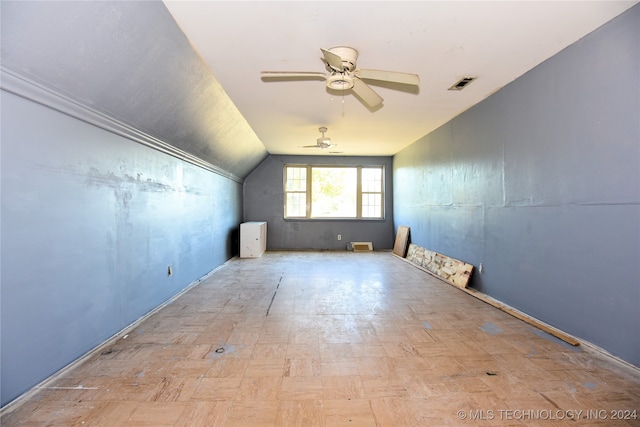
<point x="547" y="414"/>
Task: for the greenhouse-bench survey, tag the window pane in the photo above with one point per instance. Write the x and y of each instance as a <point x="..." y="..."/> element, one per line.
<point x="296" y="179"/>
<point x="296" y="204"/>
<point x="334" y="192"/>
<point x="371" y="205"/>
<point x="371" y="179"/>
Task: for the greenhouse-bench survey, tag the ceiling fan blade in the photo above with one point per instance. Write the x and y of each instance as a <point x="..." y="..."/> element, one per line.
<point x="388" y="76"/>
<point x="364" y="92"/>
<point x="309" y="146"/>
<point x="298" y="74"/>
<point x="334" y="61"/>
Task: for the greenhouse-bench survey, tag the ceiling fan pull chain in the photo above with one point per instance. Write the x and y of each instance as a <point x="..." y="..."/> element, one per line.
<point x="343" y="102"/>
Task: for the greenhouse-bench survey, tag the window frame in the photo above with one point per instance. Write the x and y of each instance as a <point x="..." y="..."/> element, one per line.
<point x="309" y="195"/>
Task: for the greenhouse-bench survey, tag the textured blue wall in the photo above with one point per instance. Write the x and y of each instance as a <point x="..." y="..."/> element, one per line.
<point x="264" y="201"/>
<point x="90" y="222"/>
<point x="541" y="184"/>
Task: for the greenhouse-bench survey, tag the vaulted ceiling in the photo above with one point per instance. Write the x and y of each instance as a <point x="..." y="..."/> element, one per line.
<point x="441" y="41"/>
<point x="188" y="73"/>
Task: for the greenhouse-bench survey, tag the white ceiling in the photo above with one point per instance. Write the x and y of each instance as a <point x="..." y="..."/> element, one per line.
<point x="441" y="41"/>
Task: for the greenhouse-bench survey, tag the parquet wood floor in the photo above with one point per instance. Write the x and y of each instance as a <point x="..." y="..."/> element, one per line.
<point x="334" y="339"/>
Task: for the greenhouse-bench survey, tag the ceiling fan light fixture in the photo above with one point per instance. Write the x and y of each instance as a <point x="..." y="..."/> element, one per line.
<point x="340" y="81"/>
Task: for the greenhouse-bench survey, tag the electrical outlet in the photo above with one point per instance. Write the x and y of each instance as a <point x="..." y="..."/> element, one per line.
<point x="480" y="268"/>
<point x="339" y="236"/>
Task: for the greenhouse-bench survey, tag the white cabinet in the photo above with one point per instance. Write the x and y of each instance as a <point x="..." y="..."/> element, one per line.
<point x="253" y="239"/>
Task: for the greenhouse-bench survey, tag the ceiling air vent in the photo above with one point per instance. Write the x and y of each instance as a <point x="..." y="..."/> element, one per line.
<point x="462" y="83"/>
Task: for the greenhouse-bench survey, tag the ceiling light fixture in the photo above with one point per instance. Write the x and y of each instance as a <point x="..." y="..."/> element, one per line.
<point x="340" y="81"/>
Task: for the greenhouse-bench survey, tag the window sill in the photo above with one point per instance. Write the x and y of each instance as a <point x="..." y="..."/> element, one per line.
<point x="333" y="219"/>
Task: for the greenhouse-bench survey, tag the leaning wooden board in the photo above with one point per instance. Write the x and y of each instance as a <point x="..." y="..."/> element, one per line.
<point x="448" y="269"/>
<point x="458" y="273"/>
<point x="402" y="238"/>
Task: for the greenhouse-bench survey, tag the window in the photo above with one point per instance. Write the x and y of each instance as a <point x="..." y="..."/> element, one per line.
<point x="334" y="192"/>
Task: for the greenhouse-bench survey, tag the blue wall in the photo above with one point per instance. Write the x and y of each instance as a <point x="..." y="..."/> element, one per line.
<point x="264" y="201"/>
<point x="90" y="223"/>
<point x="541" y="184"/>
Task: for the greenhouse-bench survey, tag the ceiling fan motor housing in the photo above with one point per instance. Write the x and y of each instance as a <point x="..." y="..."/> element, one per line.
<point x="348" y="55"/>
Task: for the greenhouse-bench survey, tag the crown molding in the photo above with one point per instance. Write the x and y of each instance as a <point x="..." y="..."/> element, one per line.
<point x="25" y="87"/>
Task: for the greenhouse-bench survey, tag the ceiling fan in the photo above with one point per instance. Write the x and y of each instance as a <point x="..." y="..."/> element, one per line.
<point x="340" y="62"/>
<point x="323" y="142"/>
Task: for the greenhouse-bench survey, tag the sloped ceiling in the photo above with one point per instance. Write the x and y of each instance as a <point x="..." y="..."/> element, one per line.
<point x="441" y="41"/>
<point x="188" y="73"/>
<point x="130" y="61"/>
